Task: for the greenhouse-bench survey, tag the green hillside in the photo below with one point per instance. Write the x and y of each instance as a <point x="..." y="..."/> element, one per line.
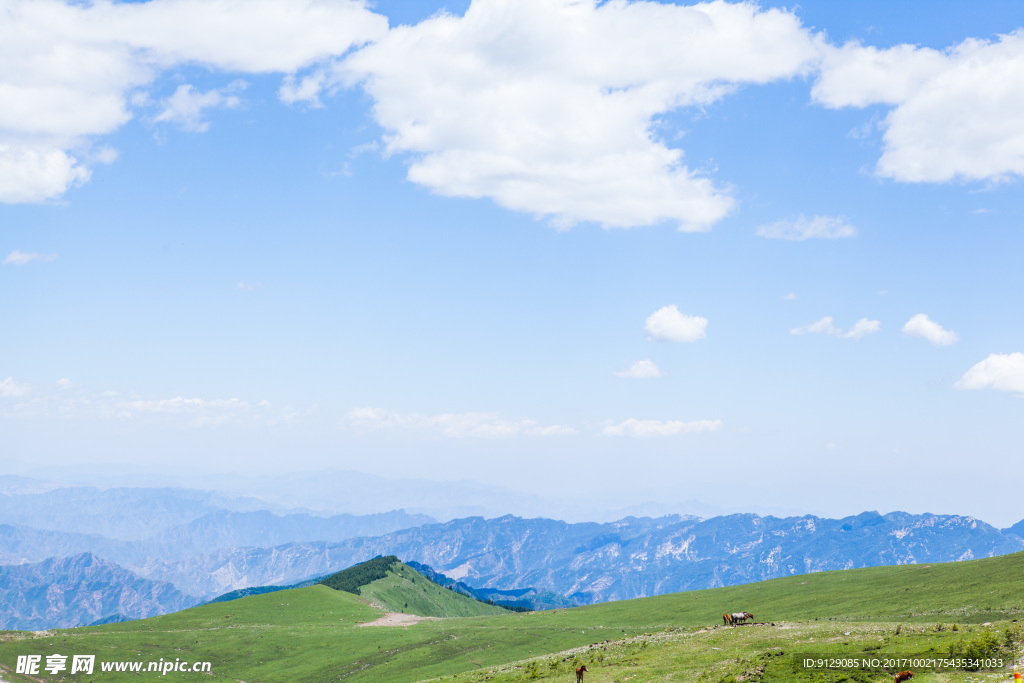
<point x="315" y="633"/>
<point x="404" y="589"/>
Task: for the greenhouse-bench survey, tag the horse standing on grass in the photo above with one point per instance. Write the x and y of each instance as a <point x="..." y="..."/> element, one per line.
<point x="582" y="670"/>
<point x="903" y="675"/>
<point x="740" y="617"/>
<point x="727" y="619"/>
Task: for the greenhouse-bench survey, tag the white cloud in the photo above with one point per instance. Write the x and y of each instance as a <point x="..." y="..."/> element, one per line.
<point x="11" y="389"/>
<point x="646" y="428"/>
<point x="819" y="227"/>
<point x="249" y="286"/>
<point x="70" y="71"/>
<point x="453" y="425"/>
<point x="186" y="106"/>
<point x="1000" y="371"/>
<point x="548" y="106"/>
<point x="957" y="113"/>
<point x="641" y="369"/>
<point x="21" y="258"/>
<point x="824" y="326"/>
<point x="668" y="324"/>
<point x="789" y="297"/>
<point x="34" y="172"/>
<point x="64" y="383"/>
<point x="922" y="326"/>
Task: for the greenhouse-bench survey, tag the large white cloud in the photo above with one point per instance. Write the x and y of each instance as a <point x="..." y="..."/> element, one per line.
<point x="670" y="325"/>
<point x="924" y="327"/>
<point x="958" y="113"/>
<point x="68" y="70"/>
<point x="548" y="106"/>
<point x="647" y="428"/>
<point x="1000" y="371"/>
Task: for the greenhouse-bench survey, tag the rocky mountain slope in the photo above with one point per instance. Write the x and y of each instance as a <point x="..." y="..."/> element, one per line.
<point x="81" y="590"/>
<point x="626" y="559"/>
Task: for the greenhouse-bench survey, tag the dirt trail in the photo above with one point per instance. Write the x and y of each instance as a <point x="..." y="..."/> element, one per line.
<point x="397" y="619"/>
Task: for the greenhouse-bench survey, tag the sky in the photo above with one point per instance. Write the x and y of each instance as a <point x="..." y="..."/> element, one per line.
<point x="618" y="251"/>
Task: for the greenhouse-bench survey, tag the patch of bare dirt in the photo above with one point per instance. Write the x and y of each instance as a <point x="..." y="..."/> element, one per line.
<point x="397" y="619"/>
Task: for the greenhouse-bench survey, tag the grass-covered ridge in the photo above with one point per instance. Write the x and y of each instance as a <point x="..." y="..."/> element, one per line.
<point x="355" y="577"/>
<point x="315" y="633"/>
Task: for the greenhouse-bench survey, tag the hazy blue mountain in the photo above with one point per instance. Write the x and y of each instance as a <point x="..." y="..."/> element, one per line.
<point x="117" y="513"/>
<point x="1017" y="529"/>
<point x="630" y="558"/>
<point x="223" y="529"/>
<point x="218" y="529"/>
<point x="80" y="590"/>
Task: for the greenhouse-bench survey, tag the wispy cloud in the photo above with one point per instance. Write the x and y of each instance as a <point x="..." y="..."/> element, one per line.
<point x="452" y="425"/>
<point x="66" y="401"/>
<point x="22" y="258"/>
<point x="249" y="286"/>
<point x="860" y="329"/>
<point x="11" y="389"/>
<point x="925" y="328"/>
<point x="641" y="369"/>
<point x="669" y="325"/>
<point x="186" y="106"/>
<point x="803" y="228"/>
<point x="648" y="428"/>
<point x="789" y="297"/>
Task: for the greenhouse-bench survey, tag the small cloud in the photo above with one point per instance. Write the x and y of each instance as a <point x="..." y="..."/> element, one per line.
<point x="1000" y="371"/>
<point x="249" y="286"/>
<point x="186" y="106"/>
<point x="64" y="383"/>
<point x="105" y="155"/>
<point x="982" y="211"/>
<point x="11" y="389"/>
<point x="883" y="292"/>
<point x="830" y="446"/>
<point x="647" y="428"/>
<point x="860" y="329"/>
<point x="668" y="324"/>
<point x="21" y="258"/>
<point x="789" y="297"/>
<point x="925" y="328"/>
<point x="642" y="369"/>
<point x="819" y="227"/>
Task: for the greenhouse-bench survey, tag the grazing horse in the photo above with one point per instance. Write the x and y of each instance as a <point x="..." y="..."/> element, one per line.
<point x="727" y="619"/>
<point x="740" y="617"/>
<point x="903" y="675"/>
<point x="579" y="673"/>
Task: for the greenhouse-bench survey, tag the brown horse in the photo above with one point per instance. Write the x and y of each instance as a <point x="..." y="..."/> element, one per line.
<point x="579" y="673"/>
<point x="903" y="675"/>
<point x="727" y="619"/>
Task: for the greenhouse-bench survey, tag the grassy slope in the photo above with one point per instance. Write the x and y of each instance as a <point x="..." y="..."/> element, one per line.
<point x="311" y="634"/>
<point x="406" y="590"/>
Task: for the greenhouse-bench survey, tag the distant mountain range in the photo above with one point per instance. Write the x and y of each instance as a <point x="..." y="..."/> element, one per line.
<point x="81" y="554"/>
<point x="630" y="558"/>
<point x="79" y="590"/>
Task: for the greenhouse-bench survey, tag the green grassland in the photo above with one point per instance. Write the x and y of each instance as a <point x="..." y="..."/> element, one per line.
<point x="406" y="590"/>
<point x="314" y="633"/>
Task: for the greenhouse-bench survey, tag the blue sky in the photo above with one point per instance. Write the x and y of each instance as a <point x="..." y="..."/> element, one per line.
<point x="549" y="245"/>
